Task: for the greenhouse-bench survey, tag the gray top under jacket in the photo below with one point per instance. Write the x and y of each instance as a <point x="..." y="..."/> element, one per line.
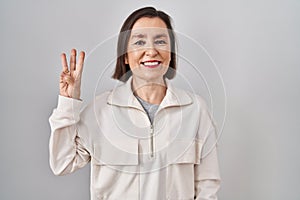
<point x="149" y="108"/>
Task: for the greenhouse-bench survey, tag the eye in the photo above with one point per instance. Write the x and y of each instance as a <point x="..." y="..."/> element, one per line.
<point x="160" y="42"/>
<point x="139" y="42"/>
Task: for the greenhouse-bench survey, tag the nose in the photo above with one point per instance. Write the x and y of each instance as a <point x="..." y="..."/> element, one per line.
<point x="151" y="51"/>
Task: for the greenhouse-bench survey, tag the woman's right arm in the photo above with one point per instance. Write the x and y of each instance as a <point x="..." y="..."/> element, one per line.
<point x="66" y="148"/>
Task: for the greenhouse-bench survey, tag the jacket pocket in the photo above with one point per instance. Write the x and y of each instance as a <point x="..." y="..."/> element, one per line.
<point x="185" y="151"/>
<point x="183" y="155"/>
<point x="117" y="152"/>
<point x="115" y="170"/>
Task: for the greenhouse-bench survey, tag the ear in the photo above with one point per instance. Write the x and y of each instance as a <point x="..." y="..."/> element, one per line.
<point x="126" y="60"/>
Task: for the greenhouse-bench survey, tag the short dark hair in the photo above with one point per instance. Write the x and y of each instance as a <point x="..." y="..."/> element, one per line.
<point x="122" y="69"/>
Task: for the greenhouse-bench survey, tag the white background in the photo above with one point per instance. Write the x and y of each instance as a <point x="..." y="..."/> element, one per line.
<point x="255" y="44"/>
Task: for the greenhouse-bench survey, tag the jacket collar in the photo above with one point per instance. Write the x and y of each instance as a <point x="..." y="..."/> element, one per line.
<point x="123" y="96"/>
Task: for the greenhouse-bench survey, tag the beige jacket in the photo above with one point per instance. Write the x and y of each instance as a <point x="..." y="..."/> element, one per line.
<point x="132" y="159"/>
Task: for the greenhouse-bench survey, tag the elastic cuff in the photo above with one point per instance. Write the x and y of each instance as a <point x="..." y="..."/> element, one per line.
<point x="66" y="104"/>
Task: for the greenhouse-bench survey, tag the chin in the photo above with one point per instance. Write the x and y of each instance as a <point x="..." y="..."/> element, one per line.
<point x="150" y="77"/>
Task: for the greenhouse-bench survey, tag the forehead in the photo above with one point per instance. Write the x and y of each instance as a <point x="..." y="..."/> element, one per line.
<point x="146" y="25"/>
<point x="147" y="22"/>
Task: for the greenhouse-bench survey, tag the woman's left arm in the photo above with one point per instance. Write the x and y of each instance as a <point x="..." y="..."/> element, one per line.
<point x="207" y="176"/>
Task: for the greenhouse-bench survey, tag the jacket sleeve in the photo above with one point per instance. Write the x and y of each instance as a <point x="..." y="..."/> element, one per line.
<point x="207" y="180"/>
<point x="207" y="177"/>
<point x="67" y="149"/>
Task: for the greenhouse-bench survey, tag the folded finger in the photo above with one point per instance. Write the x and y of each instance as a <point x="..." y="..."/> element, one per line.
<point x="68" y="79"/>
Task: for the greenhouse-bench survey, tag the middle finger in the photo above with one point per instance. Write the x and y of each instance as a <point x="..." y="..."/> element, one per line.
<point x="73" y="60"/>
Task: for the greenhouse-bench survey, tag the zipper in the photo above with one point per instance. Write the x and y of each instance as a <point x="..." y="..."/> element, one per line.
<point x="152" y="140"/>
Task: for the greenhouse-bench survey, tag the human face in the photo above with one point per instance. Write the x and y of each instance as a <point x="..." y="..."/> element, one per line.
<point x="148" y="50"/>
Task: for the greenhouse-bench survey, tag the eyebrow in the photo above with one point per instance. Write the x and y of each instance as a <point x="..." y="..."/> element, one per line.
<point x="139" y="35"/>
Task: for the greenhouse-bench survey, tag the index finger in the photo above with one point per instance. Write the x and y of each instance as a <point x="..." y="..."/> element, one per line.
<point x="79" y="65"/>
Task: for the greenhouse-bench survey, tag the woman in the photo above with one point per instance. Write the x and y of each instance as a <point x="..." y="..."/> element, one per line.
<point x="144" y="138"/>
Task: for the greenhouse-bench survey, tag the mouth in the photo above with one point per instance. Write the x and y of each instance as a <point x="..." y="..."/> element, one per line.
<point x="151" y="63"/>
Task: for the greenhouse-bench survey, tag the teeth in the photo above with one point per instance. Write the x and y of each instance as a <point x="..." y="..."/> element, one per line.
<point x="151" y="63"/>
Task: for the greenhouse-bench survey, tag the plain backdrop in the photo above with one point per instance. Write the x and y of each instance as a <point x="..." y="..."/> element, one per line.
<point x="254" y="44"/>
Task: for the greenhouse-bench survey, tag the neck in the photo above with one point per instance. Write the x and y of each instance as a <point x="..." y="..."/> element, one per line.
<point x="152" y="91"/>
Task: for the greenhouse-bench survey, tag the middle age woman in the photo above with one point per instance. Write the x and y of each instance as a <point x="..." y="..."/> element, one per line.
<point x="145" y="137"/>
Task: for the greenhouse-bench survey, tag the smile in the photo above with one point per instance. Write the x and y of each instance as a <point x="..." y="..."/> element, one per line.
<point x="151" y="63"/>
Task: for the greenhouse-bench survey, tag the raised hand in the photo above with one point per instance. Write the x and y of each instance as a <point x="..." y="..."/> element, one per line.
<point x="70" y="77"/>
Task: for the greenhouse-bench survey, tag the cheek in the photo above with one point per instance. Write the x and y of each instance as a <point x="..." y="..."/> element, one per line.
<point x="133" y="58"/>
<point x="166" y="56"/>
<point x="165" y="53"/>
